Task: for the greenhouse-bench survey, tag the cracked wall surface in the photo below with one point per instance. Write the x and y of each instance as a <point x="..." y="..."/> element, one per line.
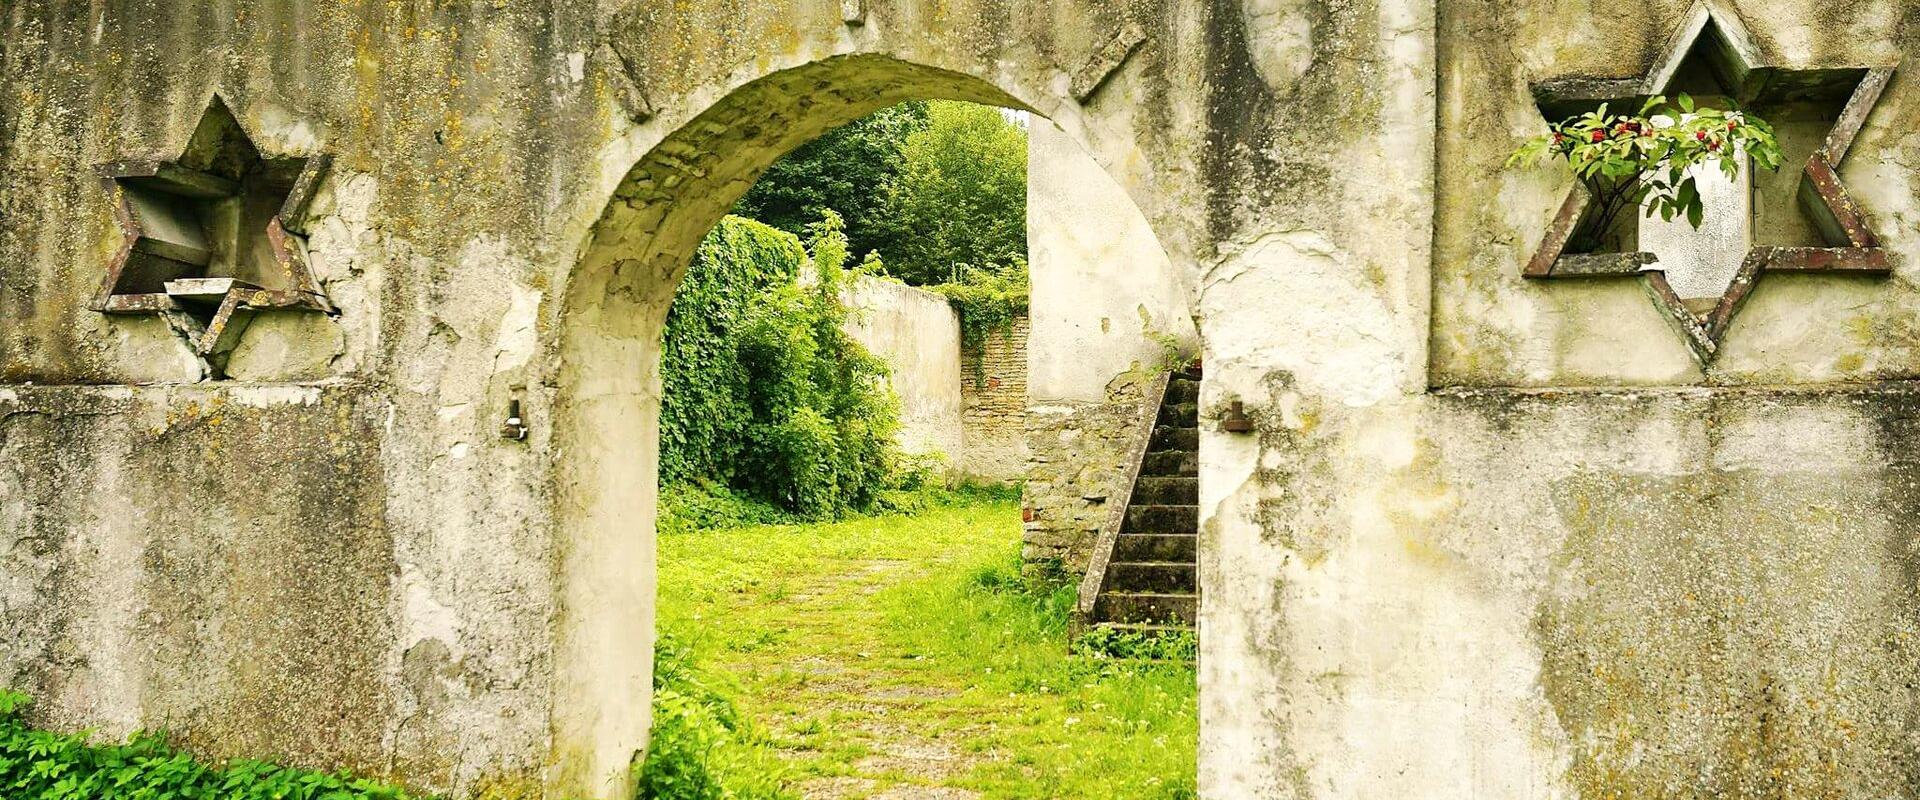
<point x="1495" y="592"/>
<point x="1494" y="328"/>
<point x="1108" y="309"/>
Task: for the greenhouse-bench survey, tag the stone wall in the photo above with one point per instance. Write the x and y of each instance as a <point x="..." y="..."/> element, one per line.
<point x="1442" y="565"/>
<point x="993" y="385"/>
<point x="1108" y="308"/>
<point x="1075" y="468"/>
<point x="917" y="334"/>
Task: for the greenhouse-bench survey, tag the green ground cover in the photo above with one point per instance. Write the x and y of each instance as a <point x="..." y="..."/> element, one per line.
<point x="897" y="657"/>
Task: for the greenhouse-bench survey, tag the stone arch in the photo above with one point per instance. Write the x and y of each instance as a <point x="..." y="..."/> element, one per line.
<point x="607" y="324"/>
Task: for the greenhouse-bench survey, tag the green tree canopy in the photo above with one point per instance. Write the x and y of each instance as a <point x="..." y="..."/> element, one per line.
<point x="934" y="187"/>
<point x="960" y="197"/>
<point x="846" y="171"/>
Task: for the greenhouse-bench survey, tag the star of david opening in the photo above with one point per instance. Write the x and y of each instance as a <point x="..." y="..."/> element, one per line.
<point x="1756" y="223"/>
<point x="212" y="236"/>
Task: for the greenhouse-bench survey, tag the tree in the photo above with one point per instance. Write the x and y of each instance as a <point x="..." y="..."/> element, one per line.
<point x="960" y="197"/>
<point x="845" y="171"/>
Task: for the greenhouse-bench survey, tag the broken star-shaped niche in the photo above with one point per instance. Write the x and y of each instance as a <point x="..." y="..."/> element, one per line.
<point x="1754" y="224"/>
<point x="212" y="237"/>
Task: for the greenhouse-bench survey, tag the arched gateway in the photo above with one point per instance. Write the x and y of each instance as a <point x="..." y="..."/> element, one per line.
<point x="257" y="353"/>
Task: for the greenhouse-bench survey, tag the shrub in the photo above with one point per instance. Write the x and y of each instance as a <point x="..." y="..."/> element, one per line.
<point x="988" y="299"/>
<point x="1633" y="160"/>
<point x="766" y="394"/>
<point x="1130" y="645"/>
<point x="39" y="765"/>
<point x="701" y="747"/>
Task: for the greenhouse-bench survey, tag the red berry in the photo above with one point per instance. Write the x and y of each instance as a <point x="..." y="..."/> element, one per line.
<point x="1701" y="135"/>
<point x="1731" y="124"/>
<point x="1599" y="136"/>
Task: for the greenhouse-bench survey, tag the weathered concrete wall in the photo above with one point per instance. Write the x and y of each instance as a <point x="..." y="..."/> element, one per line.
<point x="993" y="386"/>
<point x="917" y="333"/>
<point x="1557" y="591"/>
<point x="1494" y="328"/>
<point x="1484" y="592"/>
<point x="1108" y="307"/>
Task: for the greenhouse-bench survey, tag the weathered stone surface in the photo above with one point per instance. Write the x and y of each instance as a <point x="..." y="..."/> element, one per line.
<point x="917" y="334"/>
<point x="1489" y="593"/>
<point x="993" y="387"/>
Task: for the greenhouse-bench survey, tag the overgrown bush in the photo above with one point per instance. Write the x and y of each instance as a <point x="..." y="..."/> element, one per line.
<point x="766" y="394"/>
<point x="39" y="765"/>
<point x="701" y="747"/>
<point x="988" y="299"/>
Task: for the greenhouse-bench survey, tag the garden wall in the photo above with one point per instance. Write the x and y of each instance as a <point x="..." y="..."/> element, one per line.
<point x="993" y="384"/>
<point x="917" y="333"/>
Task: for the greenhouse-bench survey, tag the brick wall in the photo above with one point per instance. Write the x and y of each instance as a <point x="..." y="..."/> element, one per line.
<point x="993" y="392"/>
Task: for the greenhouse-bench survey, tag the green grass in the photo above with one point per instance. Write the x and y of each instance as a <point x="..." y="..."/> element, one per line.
<point x="891" y="651"/>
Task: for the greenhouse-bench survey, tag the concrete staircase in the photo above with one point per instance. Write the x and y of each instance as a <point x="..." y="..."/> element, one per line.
<point x="1151" y="581"/>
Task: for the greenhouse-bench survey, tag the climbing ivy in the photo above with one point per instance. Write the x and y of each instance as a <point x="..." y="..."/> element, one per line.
<point x="766" y="395"/>
<point x="987" y="300"/>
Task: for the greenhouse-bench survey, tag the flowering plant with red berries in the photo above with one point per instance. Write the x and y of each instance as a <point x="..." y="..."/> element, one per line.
<point x="1643" y="159"/>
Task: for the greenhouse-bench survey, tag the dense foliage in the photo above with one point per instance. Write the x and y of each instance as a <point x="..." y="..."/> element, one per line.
<point x="934" y="187"/>
<point x="1635" y="160"/>
<point x="845" y="171"/>
<point x="766" y="395"/>
<point x="960" y="199"/>
<point x="39" y="765"/>
<point x="987" y="299"/>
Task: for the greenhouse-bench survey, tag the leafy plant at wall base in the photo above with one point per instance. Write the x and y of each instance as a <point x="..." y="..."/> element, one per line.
<point x="701" y="747"/>
<point x="1132" y="645"/>
<point x="1643" y="159"/>
<point x="40" y="765"/>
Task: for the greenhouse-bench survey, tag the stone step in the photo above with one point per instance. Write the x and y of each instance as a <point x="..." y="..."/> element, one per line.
<point x="1183" y="390"/>
<point x="1166" y="490"/>
<point x="1158" y="577"/>
<point x="1181" y="547"/>
<point x="1161" y="519"/>
<point x="1168" y="437"/>
<point x="1143" y="607"/>
<point x="1146" y="628"/>
<point x="1170" y="463"/>
<point x="1185" y="415"/>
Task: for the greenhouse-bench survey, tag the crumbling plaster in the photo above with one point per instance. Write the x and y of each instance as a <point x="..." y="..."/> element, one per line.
<point x="1493" y="328"/>
<point x="1484" y="592"/>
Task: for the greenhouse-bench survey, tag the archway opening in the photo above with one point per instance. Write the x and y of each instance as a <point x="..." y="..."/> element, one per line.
<point x="609" y="389"/>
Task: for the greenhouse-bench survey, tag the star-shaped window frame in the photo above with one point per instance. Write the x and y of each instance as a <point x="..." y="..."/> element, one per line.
<point x="211" y="236"/>
<point x="1716" y="38"/>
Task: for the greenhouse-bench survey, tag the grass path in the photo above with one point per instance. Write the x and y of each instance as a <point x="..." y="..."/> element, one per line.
<point x="901" y="657"/>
